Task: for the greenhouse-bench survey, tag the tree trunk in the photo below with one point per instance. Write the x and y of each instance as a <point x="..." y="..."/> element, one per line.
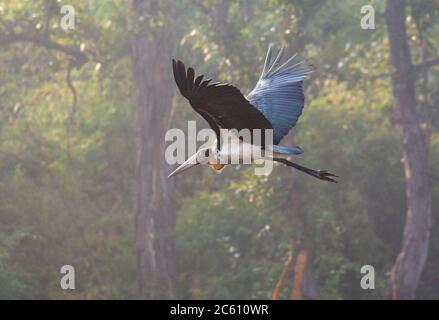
<point x="410" y="262"/>
<point x="155" y="214"/>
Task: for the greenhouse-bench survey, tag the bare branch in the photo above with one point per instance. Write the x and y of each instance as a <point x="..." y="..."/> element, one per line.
<point x="417" y="68"/>
<point x="426" y="65"/>
<point x="378" y="76"/>
<point x="79" y="56"/>
<point x="70" y="66"/>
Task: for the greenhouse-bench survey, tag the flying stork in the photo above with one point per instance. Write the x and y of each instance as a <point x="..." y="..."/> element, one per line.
<point x="275" y="104"/>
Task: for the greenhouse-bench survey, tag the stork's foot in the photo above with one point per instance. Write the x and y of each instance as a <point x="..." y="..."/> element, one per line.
<point x="325" y="175"/>
<point x="319" y="174"/>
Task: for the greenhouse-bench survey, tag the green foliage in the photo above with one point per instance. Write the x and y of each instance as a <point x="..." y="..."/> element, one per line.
<point x="66" y="187"/>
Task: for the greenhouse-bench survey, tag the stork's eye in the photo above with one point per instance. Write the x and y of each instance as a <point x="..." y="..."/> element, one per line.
<point x="206" y="153"/>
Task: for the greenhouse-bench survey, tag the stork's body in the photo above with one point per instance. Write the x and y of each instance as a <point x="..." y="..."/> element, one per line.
<point x="241" y="123"/>
<point x="239" y="151"/>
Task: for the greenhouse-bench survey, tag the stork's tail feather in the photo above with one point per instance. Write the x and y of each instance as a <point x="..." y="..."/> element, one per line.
<point x="286" y="150"/>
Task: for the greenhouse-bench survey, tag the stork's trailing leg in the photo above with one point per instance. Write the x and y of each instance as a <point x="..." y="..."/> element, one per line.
<point x="319" y="174"/>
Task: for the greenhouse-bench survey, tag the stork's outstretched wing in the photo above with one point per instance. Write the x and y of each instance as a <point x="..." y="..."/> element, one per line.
<point x="220" y="104"/>
<point x="279" y="93"/>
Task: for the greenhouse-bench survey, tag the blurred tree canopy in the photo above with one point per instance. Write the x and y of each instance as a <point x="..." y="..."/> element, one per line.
<point x="67" y="150"/>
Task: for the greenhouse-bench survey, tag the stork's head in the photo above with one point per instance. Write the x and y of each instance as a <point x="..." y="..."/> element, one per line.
<point x="204" y="156"/>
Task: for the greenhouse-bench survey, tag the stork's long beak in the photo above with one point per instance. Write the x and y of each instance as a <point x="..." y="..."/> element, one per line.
<point x="189" y="163"/>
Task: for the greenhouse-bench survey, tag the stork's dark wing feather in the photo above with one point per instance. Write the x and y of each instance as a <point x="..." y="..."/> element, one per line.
<point x="220" y="104"/>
